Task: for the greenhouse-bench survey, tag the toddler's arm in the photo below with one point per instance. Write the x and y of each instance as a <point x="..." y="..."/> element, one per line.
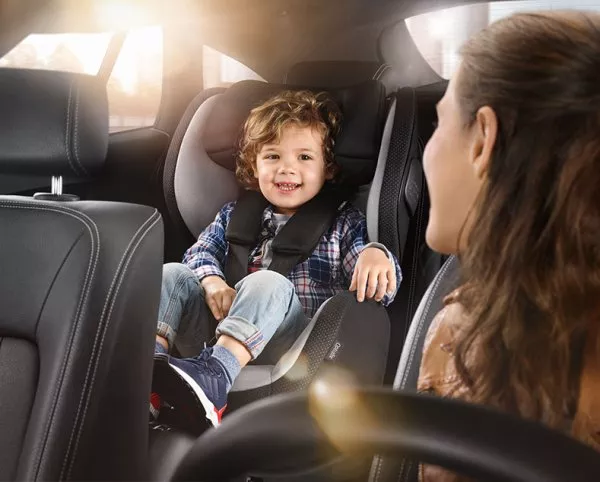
<point x="206" y="257"/>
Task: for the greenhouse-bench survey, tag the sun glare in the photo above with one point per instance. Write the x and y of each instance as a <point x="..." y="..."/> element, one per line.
<point x="84" y="53"/>
<point x="122" y="15"/>
<point x="440" y="24"/>
<point x="128" y="70"/>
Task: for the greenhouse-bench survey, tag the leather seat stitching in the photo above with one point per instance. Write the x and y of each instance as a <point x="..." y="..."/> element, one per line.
<point x="76" y="136"/>
<point x="68" y="131"/>
<point x="87" y="285"/>
<point x="102" y="329"/>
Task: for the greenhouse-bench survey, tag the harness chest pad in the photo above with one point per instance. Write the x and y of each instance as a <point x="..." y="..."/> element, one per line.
<point x="294" y="243"/>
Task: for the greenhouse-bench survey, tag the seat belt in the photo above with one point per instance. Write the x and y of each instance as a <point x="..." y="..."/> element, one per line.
<point x="293" y="244"/>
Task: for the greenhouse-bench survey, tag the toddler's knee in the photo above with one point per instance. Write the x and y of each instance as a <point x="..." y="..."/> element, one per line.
<point x="174" y="272"/>
<point x="266" y="280"/>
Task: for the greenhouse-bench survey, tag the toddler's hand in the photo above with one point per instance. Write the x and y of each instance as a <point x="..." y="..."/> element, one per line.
<point x="218" y="296"/>
<point x="374" y="275"/>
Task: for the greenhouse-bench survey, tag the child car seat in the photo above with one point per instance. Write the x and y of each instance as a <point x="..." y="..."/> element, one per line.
<point x="199" y="179"/>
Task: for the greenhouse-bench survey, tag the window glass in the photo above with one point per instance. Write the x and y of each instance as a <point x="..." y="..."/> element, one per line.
<point x="135" y="84"/>
<point x="440" y="34"/>
<point x="221" y="70"/>
<point x="70" y="52"/>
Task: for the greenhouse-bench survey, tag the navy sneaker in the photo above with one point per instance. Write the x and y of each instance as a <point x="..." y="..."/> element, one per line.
<point x="190" y="385"/>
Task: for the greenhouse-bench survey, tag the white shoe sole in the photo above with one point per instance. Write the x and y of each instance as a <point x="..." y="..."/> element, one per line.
<point x="209" y="407"/>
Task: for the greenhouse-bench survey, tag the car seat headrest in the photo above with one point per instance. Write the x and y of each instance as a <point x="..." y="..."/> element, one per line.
<point x="52" y="123"/>
<point x="357" y="145"/>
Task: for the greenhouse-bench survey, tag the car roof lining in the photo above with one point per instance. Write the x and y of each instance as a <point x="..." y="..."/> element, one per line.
<point x="298" y="30"/>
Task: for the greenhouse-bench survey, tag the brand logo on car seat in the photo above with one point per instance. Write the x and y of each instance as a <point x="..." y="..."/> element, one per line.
<point x="334" y="351"/>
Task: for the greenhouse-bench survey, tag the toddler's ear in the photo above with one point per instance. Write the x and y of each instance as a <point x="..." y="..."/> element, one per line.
<point x="331" y="172"/>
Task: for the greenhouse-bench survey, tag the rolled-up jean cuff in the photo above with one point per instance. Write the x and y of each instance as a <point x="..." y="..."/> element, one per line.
<point x="244" y="332"/>
<point x="165" y="330"/>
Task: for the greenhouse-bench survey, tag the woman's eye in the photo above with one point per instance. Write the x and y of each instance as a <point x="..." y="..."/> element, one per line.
<point x="305" y="157"/>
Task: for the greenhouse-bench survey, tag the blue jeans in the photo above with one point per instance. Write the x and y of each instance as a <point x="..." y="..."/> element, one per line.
<point x="265" y="316"/>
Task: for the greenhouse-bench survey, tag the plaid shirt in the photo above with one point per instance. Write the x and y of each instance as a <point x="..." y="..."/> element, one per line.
<point x="325" y="273"/>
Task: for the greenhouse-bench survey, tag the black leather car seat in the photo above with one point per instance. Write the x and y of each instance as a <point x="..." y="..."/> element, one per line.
<point x="79" y="290"/>
<point x="387" y="469"/>
<point x="404" y="208"/>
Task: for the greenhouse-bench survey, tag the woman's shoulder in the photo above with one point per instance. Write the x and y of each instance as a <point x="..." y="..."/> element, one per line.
<point x="586" y="425"/>
<point x="438" y="373"/>
<point x="447" y="320"/>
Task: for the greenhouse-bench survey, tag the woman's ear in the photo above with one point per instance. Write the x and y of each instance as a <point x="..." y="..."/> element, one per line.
<point x="485" y="132"/>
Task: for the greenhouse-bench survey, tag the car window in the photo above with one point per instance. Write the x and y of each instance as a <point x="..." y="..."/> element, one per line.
<point x="440" y="34"/>
<point x="70" y="52"/>
<point x="220" y="70"/>
<point x="135" y="83"/>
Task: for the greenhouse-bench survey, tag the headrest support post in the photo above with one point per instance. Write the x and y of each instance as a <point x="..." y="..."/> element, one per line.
<point x="57" y="192"/>
<point x="57" y="185"/>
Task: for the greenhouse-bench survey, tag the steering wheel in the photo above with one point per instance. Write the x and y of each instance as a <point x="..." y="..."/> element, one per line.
<point x="471" y="440"/>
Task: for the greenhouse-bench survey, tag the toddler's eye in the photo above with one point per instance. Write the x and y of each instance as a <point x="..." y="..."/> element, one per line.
<point x="271" y="156"/>
<point x="305" y="157"/>
<point x="435" y="124"/>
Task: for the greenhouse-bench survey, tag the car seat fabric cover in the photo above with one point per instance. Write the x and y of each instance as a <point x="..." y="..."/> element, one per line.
<point x="344" y="336"/>
<point x="204" y="180"/>
<point x="80" y="286"/>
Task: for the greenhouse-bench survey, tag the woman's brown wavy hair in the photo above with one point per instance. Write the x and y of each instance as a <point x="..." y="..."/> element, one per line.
<point x="532" y="268"/>
<point x="266" y="122"/>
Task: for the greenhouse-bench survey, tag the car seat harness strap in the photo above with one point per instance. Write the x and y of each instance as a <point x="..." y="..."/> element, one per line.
<point x="292" y="245"/>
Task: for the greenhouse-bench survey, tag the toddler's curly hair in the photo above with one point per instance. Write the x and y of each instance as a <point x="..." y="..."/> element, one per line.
<point x="266" y="122"/>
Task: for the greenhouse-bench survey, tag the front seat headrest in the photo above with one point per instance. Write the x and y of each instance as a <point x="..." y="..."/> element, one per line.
<point x="52" y="123"/>
<point x="357" y="145"/>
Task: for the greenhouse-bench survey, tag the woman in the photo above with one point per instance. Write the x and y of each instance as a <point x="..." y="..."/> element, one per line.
<point x="513" y="171"/>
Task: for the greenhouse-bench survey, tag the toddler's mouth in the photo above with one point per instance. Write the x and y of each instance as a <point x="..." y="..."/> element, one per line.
<point x="287" y="186"/>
